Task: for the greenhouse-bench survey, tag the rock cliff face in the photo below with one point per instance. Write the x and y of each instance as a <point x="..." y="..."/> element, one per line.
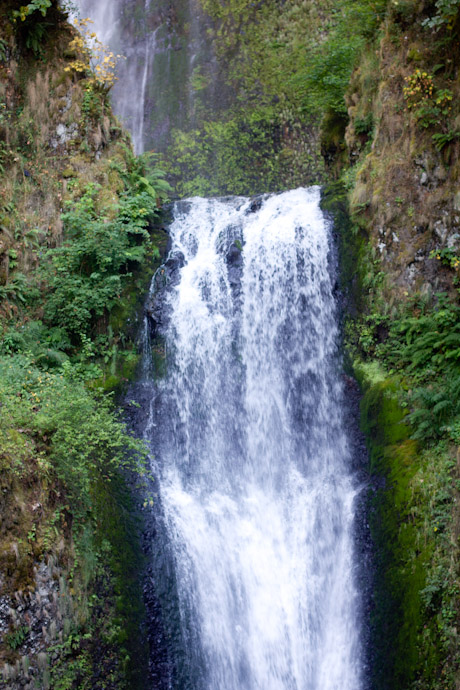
<point x="397" y="157"/>
<point x="403" y="140"/>
<point x="216" y="89"/>
<point x="65" y="597"/>
<point x="57" y="135"/>
<point x="168" y="58"/>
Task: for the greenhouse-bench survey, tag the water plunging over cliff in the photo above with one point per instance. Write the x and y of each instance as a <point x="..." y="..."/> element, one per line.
<point x="169" y="69"/>
<point x="250" y="449"/>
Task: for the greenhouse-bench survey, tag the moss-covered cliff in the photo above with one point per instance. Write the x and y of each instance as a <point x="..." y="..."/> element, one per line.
<point x="398" y="171"/>
<point x="284" y="68"/>
<point x="76" y="220"/>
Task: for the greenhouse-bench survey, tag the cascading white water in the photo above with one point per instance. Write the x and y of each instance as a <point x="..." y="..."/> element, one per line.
<point x="252" y="455"/>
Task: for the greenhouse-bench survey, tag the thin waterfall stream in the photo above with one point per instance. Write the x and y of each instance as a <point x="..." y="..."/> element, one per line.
<point x="164" y="51"/>
<point x="250" y="450"/>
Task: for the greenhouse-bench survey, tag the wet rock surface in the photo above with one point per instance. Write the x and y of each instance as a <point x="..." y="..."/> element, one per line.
<point x="256" y="204"/>
<point x="31" y="621"/>
<point x="161" y="667"/>
<point x="166" y="278"/>
<point x="364" y="547"/>
<point x="230" y="245"/>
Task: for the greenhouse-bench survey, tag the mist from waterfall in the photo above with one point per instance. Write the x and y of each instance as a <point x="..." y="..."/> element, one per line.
<point x="167" y="69"/>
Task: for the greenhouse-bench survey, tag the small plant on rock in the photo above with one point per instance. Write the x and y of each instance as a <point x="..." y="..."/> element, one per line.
<point x="95" y="61"/>
<point x="419" y="87"/>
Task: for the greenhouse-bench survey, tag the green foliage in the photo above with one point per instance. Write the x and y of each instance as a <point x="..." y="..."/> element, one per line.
<point x="39" y="6"/>
<point x="85" y="275"/>
<point x="326" y="73"/>
<point x="425" y="344"/>
<point x="410" y="409"/>
<point x="447" y="12"/>
<point x="442" y="139"/>
<point x="62" y="445"/>
<point x="47" y="347"/>
<point x="105" y="638"/>
<point x="419" y="87"/>
<point x="34" y="28"/>
<point x="86" y="440"/>
<point x="416" y="588"/>
<point x="325" y="81"/>
<point x="3" y="50"/>
<point x="21" y="289"/>
<point x="241" y="155"/>
<point x="434" y="408"/>
<point x="91" y="105"/>
<point x="425" y="347"/>
<point x="15" y="638"/>
<point x="25" y="11"/>
<point x="54" y="429"/>
<point x="35" y="36"/>
<point x="289" y="66"/>
<point x="447" y="256"/>
<point x="364" y="125"/>
<point x="430" y="108"/>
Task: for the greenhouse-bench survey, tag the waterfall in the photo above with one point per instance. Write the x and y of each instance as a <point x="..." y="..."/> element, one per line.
<point x="164" y="47"/>
<point x="133" y="66"/>
<point x="250" y="450"/>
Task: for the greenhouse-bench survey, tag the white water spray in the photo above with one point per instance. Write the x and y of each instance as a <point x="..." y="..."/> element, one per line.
<point x="253" y="458"/>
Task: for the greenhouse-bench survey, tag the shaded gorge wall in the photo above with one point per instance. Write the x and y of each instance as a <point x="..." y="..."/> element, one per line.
<point x="169" y="76"/>
<point x="210" y="88"/>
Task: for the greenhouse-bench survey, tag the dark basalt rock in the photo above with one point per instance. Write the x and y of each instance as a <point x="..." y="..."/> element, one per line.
<point x="234" y="260"/>
<point x="256" y="204"/>
<point x="166" y="278"/>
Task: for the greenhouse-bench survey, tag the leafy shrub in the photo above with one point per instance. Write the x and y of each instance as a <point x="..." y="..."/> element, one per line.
<point x="85" y="275"/>
<point x="95" y="61"/>
<point x="328" y="67"/>
<point x="15" y="638"/>
<point x="430" y="108"/>
<point x="329" y="73"/>
<point x="21" y="289"/>
<point x="46" y="346"/>
<point x="425" y="347"/>
<point x="435" y="406"/>
<point x="364" y="125"/>
<point x="419" y="87"/>
<point x="442" y="139"/>
<point x="447" y="12"/>
<point x="86" y="440"/>
<point x="238" y="156"/>
<point x="25" y="11"/>
<point x="33" y="27"/>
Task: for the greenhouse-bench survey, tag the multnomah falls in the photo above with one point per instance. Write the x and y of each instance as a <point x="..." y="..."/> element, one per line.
<point x="229" y="345"/>
<point x="250" y="449"/>
<point x="255" y="490"/>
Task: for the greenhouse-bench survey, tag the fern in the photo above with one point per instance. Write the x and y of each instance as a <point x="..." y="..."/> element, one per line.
<point x="454" y="389"/>
<point x="441" y="408"/>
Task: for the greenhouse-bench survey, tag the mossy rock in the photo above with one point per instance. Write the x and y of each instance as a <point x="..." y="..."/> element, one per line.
<point x="400" y="560"/>
<point x="69" y="173"/>
<point x="382" y="420"/>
